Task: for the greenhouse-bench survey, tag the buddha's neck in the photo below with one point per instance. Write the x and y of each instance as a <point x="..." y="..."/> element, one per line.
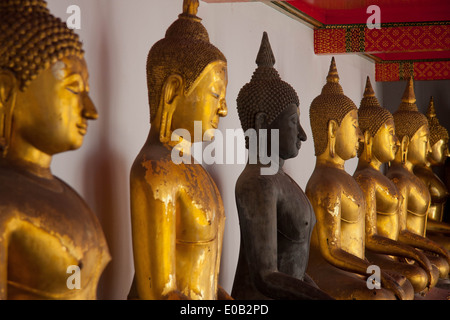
<point x="154" y="139"/>
<point x="408" y="165"/>
<point x="373" y="163"/>
<point x="30" y="160"/>
<point x="326" y="160"/>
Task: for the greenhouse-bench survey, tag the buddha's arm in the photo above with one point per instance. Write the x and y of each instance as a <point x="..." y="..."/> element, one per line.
<point x="328" y="214"/>
<point x="415" y="240"/>
<point x="328" y="226"/>
<point x="154" y="236"/>
<point x="440" y="227"/>
<point x="222" y="294"/>
<point x="257" y="208"/>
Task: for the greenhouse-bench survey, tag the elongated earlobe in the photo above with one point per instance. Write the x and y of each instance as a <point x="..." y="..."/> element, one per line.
<point x="368" y="145"/>
<point x="8" y="93"/>
<point x="172" y="89"/>
<point x="404" y="148"/>
<point x="332" y="128"/>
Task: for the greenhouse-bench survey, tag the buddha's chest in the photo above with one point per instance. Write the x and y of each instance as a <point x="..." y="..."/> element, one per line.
<point x="295" y="216"/>
<point x="50" y="231"/>
<point x="199" y="208"/>
<point x="386" y="196"/>
<point x="418" y="197"/>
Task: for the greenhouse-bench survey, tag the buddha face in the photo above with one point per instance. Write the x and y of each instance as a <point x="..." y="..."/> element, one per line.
<point x="291" y="133"/>
<point x="51" y="114"/>
<point x="385" y="142"/>
<point x="418" y="147"/>
<point x="439" y="152"/>
<point x="348" y="136"/>
<point x="205" y="102"/>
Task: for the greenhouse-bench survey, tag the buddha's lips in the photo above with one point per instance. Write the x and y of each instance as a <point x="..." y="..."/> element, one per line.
<point x="82" y="129"/>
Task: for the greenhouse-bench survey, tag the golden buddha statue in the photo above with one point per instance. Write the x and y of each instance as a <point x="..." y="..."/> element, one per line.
<point x="412" y="131"/>
<point x="46" y="229"/>
<point x="337" y="260"/>
<point x="437" y="230"/>
<point x="382" y="198"/>
<point x="177" y="212"/>
<point x="275" y="216"/>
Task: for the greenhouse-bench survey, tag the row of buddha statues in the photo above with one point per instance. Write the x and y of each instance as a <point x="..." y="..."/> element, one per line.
<point x="316" y="244"/>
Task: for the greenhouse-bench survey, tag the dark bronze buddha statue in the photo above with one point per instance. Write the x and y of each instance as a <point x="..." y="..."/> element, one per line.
<point x="276" y="218"/>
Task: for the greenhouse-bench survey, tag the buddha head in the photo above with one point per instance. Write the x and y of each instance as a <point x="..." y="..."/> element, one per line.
<point x="44" y="101"/>
<point x="377" y="125"/>
<point x="438" y="137"/>
<point x="411" y="128"/>
<point x="186" y="77"/>
<point x="267" y="102"/>
<point x="334" y="120"/>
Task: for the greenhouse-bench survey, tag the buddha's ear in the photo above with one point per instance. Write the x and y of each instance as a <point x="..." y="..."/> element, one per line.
<point x="173" y="88"/>
<point x="368" y="139"/>
<point x="331" y="132"/>
<point x="8" y="93"/>
<point x="332" y="128"/>
<point x="8" y="86"/>
<point x="404" y="144"/>
<point x="261" y="121"/>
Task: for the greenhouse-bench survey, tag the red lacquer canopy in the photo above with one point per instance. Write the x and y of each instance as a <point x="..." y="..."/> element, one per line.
<point x="412" y="38"/>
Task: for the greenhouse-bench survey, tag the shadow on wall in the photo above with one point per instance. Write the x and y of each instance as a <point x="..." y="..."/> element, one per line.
<point x="106" y="183"/>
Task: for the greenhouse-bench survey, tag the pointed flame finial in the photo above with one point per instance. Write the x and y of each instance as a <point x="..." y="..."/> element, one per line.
<point x="265" y="56"/>
<point x="368" y="91"/>
<point x="190" y="7"/>
<point x="431" y="113"/>
<point x="408" y="95"/>
<point x="333" y="75"/>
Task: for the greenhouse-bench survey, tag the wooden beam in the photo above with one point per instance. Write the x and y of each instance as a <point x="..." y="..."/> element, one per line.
<point x="391" y="38"/>
<point x="420" y="70"/>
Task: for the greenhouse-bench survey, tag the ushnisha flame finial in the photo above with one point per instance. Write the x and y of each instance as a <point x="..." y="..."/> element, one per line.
<point x="437" y="131"/>
<point x="333" y="75"/>
<point x="431" y="113"/>
<point x="265" y="56"/>
<point x="408" y="95"/>
<point x="368" y="91"/>
<point x="190" y="7"/>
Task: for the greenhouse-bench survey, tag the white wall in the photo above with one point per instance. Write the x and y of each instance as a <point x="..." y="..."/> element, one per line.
<point x="117" y="35"/>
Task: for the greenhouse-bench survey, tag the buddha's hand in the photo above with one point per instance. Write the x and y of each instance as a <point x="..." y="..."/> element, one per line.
<point x="175" y="295"/>
<point x="388" y="282"/>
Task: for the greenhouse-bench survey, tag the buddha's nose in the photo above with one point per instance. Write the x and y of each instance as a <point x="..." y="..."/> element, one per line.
<point x="89" y="110"/>
<point x="223" y="110"/>
<point x="301" y="133"/>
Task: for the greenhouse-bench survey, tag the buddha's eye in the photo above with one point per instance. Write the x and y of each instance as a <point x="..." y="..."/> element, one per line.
<point x="74" y="87"/>
<point x="73" y="90"/>
<point x="215" y="95"/>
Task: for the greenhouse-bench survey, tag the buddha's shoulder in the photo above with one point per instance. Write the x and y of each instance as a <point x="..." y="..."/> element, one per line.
<point x="369" y="177"/>
<point x="252" y="179"/>
<point x="424" y="173"/>
<point x="321" y="183"/>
